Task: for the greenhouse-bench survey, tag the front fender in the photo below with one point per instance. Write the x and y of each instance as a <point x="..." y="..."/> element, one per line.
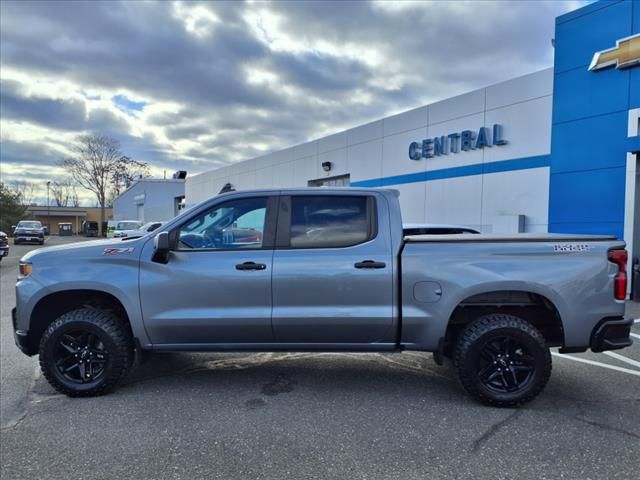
<point x="84" y="269"/>
<point x="130" y="302"/>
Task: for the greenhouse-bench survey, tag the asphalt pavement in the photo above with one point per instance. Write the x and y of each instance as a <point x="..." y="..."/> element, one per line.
<point x="315" y="416"/>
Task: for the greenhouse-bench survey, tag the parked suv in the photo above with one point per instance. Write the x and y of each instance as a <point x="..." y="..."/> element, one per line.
<point x="28" y="231"/>
<point x="4" y="245"/>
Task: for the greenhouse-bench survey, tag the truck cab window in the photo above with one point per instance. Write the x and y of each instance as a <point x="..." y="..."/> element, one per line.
<point x="237" y="224"/>
<point x="329" y="221"/>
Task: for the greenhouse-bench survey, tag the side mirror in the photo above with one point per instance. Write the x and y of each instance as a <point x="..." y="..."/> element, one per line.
<point x="161" y="248"/>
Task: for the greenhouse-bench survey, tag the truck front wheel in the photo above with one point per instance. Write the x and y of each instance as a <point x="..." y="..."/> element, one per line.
<point x="85" y="352"/>
<point x="502" y="360"/>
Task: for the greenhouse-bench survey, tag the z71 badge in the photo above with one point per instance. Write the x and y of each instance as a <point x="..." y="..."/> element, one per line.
<point x="572" y="247"/>
<point x="117" y="251"/>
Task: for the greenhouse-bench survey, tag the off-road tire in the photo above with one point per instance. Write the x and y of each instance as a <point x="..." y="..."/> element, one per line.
<point x="477" y="342"/>
<point x="114" y="336"/>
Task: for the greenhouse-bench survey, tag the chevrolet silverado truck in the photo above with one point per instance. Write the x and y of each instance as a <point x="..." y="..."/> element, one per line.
<point x="324" y="270"/>
<point x="28" y="231"/>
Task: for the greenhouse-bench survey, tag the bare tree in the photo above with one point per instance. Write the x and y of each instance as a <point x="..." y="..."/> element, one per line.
<point x="94" y="160"/>
<point x="74" y="198"/>
<point x="26" y="190"/>
<point x="125" y="173"/>
<point x="63" y="191"/>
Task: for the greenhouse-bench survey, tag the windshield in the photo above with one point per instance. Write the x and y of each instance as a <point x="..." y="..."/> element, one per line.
<point x="128" y="225"/>
<point x="29" y="225"/>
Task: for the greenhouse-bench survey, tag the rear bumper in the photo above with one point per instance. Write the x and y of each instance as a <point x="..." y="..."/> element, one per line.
<point x="611" y="334"/>
<point x="21" y="337"/>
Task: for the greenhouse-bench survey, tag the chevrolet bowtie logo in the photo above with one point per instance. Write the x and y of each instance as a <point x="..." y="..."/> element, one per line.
<point x="625" y="54"/>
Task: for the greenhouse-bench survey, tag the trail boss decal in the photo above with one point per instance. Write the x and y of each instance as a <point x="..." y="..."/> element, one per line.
<point x="117" y="251"/>
<point x="571" y="247"/>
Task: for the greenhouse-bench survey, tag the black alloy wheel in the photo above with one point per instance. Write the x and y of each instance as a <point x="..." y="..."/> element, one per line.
<point x="81" y="356"/>
<point x="505" y="365"/>
<point x="502" y="360"/>
<point x="86" y="352"/>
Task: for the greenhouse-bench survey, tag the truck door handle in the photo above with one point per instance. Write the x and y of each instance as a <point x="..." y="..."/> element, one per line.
<point x="370" y="264"/>
<point x="250" y="266"/>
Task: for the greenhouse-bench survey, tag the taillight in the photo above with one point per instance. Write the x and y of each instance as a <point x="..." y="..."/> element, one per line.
<point x="619" y="257"/>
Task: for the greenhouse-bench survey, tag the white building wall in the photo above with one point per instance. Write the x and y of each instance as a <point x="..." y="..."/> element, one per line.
<point x="149" y="200"/>
<point x="379" y="150"/>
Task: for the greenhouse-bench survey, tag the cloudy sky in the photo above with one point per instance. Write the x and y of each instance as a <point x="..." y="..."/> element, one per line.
<point x="194" y="86"/>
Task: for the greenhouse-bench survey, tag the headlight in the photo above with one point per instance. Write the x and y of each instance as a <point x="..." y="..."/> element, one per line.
<point x="25" y="269"/>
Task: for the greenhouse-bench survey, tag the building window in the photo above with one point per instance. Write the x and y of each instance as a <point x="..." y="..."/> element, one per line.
<point x="338" y="181"/>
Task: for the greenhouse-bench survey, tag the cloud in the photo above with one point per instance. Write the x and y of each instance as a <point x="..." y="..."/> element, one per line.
<point x="53" y="113"/>
<point x="198" y="85"/>
<point x="24" y="153"/>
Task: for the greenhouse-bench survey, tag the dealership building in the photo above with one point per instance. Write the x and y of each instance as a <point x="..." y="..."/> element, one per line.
<point x="553" y="151"/>
<point x="151" y="199"/>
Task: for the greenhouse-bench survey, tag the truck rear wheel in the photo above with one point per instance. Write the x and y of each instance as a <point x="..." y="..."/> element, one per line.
<point x="502" y="360"/>
<point x="86" y="352"/>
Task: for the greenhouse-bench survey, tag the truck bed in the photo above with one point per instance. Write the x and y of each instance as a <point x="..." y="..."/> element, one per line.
<point x="518" y="237"/>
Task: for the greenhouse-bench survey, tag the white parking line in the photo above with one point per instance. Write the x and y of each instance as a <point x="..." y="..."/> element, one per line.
<point x="597" y="364"/>
<point x="635" y="335"/>
<point x="637" y="320"/>
<point x="622" y="359"/>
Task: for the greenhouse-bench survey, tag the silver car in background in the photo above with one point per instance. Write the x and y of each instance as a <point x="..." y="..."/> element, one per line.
<point x="138" y="232"/>
<point x="114" y="227"/>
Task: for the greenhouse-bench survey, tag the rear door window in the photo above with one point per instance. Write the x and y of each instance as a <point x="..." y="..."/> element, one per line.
<point x="331" y="221"/>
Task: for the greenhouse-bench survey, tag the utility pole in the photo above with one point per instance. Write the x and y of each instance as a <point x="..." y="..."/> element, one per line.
<point x="48" y="210"/>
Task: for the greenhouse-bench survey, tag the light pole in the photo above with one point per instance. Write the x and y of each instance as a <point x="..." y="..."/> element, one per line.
<point x="48" y="210"/>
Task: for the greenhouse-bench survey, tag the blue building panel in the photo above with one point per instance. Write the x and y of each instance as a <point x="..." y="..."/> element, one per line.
<point x="580" y="93"/>
<point x="587" y="9"/>
<point x="578" y="38"/>
<point x="591" y="197"/>
<point x="612" y="228"/>
<point x="591" y="143"/>
<point x="634" y="84"/>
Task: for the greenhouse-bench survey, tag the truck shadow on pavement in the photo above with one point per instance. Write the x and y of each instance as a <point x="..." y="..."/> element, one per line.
<point x="282" y="373"/>
<point x="326" y="391"/>
<point x="298" y="382"/>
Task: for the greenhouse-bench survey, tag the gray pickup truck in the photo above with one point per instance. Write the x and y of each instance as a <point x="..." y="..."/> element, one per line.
<point x="321" y="270"/>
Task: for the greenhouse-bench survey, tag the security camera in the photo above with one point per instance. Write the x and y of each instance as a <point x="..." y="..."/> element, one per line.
<point x="326" y="166"/>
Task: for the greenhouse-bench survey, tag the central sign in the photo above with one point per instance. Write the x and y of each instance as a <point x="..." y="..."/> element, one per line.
<point x="457" y="142"/>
